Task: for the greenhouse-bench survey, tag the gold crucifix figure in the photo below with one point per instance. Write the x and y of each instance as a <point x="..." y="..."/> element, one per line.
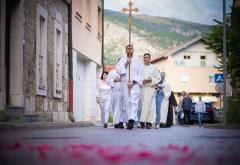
<point x="130" y="9"/>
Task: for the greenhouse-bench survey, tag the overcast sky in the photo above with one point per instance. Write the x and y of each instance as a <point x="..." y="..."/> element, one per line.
<point x="200" y="11"/>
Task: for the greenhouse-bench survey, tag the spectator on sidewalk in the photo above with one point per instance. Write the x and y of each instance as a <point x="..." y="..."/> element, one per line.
<point x="200" y="108"/>
<point x="187" y="107"/>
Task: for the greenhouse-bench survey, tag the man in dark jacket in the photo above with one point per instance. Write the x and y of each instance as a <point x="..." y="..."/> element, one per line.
<point x="187" y="107"/>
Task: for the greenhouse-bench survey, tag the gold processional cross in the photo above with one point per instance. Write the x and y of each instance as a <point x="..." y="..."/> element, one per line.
<point x="130" y="10"/>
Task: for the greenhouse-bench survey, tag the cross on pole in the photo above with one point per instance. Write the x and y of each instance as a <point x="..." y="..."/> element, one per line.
<point x="130" y="10"/>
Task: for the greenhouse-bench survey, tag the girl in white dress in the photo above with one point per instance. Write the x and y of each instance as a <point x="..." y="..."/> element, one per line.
<point x="104" y="98"/>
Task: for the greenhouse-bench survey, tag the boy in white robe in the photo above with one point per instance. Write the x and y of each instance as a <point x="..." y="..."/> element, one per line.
<point x="113" y="80"/>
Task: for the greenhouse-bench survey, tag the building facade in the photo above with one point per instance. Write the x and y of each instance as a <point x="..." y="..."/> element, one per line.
<point x="86" y="56"/>
<point x="190" y="67"/>
<point x="34" y="58"/>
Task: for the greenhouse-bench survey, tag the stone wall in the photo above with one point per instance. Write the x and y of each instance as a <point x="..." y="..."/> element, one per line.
<point x="55" y="109"/>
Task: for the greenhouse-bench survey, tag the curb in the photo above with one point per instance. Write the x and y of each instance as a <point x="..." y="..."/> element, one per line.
<point x="221" y="126"/>
<point x="6" y="126"/>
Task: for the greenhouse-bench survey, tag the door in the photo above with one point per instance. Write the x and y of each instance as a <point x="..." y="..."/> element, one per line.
<point x="78" y="108"/>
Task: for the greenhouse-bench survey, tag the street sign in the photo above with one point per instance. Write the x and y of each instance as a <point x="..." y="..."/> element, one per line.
<point x="219" y="87"/>
<point x="218" y="78"/>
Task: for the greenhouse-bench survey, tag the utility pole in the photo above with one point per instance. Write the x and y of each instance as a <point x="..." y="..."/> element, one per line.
<point x="225" y="103"/>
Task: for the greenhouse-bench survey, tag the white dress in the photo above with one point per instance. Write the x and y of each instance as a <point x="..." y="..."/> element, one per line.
<point x="104" y="95"/>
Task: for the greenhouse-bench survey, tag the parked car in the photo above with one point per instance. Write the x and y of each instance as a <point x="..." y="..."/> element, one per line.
<point x="208" y="115"/>
<point x="218" y="115"/>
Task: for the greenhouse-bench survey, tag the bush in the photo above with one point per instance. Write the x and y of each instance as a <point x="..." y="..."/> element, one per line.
<point x="233" y="113"/>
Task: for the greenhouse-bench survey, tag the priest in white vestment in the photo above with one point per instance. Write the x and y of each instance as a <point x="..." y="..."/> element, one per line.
<point x="165" y="102"/>
<point x="151" y="78"/>
<point x="130" y="69"/>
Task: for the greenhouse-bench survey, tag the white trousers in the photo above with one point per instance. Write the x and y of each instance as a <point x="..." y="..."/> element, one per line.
<point x="105" y="106"/>
<point x="117" y="106"/>
<point x="131" y="99"/>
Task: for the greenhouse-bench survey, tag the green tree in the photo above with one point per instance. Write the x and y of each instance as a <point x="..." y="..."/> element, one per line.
<point x="214" y="42"/>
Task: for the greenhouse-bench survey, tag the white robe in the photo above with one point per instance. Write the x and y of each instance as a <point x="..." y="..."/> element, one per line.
<point x="148" y="111"/>
<point x="104" y="95"/>
<point x="165" y="102"/>
<point x="117" y="97"/>
<point x="131" y="97"/>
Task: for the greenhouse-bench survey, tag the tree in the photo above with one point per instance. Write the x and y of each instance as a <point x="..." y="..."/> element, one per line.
<point x="214" y="42"/>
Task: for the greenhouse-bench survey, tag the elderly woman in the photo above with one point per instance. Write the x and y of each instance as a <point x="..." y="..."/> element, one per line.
<point x="104" y="98"/>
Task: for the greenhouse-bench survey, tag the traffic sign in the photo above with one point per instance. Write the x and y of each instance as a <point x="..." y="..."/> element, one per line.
<point x="219" y="87"/>
<point x="218" y="78"/>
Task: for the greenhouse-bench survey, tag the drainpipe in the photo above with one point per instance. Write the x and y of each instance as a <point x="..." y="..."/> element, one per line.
<point x="70" y="63"/>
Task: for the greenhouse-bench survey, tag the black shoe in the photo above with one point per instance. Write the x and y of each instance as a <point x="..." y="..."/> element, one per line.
<point x="148" y="126"/>
<point x="116" y="125"/>
<point x="121" y="125"/>
<point x="164" y="126"/>
<point x="105" y="125"/>
<point x="142" y="125"/>
<point x="130" y="124"/>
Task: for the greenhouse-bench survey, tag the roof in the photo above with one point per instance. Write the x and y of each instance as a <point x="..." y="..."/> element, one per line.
<point x="176" y="49"/>
<point x="108" y="68"/>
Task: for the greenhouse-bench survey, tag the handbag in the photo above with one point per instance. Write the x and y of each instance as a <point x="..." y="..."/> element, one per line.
<point x="182" y="115"/>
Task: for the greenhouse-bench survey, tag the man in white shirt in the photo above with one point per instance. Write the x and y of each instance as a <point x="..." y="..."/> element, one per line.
<point x="200" y="108"/>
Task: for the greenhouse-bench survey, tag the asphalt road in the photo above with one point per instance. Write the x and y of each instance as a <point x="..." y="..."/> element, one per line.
<point x="175" y="145"/>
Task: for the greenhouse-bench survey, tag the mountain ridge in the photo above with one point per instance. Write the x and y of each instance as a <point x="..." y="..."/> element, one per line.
<point x="149" y="34"/>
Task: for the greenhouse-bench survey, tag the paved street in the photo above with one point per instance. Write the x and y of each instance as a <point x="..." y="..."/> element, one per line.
<point x="96" y="145"/>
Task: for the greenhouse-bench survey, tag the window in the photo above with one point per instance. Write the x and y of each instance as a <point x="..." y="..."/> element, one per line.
<point x="78" y="8"/>
<point x="99" y="23"/>
<point x="58" y="57"/>
<point x="185" y="78"/>
<point x="211" y="79"/>
<point x="202" y="61"/>
<point x="41" y="51"/>
<point x="187" y="57"/>
<point x="88" y="14"/>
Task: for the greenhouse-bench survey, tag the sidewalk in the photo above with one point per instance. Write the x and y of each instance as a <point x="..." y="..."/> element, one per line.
<point x="221" y="126"/>
<point x="8" y="126"/>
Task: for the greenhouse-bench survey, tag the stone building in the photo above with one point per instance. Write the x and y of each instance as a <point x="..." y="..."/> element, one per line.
<point x="34" y="59"/>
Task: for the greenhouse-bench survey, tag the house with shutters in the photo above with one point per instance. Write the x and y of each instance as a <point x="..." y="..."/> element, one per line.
<point x="190" y="67"/>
